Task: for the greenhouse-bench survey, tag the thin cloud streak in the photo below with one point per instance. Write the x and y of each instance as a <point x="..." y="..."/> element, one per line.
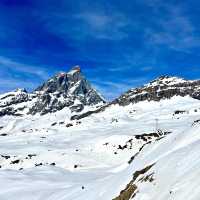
<point x="177" y="31"/>
<point x="23" y="68"/>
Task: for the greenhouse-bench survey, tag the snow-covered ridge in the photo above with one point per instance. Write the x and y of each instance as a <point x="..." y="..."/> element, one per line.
<point x="164" y="87"/>
<point x="166" y="80"/>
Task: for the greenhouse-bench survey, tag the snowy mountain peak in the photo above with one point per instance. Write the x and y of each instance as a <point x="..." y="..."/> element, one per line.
<point x="166" y="80"/>
<point x="163" y="87"/>
<point x="20" y="90"/>
<point x="65" y="89"/>
<point x="61" y="82"/>
<point x="74" y="70"/>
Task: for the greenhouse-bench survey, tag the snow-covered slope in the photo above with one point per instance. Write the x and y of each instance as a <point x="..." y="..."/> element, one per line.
<point x="143" y="150"/>
<point x="164" y="87"/>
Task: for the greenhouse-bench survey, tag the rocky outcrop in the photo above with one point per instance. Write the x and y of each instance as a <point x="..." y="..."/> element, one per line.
<point x="164" y="87"/>
<point x="13" y="103"/>
<point x="131" y="188"/>
<point x="13" y="98"/>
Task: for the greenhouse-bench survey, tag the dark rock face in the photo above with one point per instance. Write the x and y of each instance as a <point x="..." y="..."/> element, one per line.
<point x="19" y="97"/>
<point x="65" y="90"/>
<point x="77" y="108"/>
<point x="62" y="90"/>
<point x="86" y="114"/>
<point x="162" y="88"/>
<point x="9" y="101"/>
<point x="63" y="83"/>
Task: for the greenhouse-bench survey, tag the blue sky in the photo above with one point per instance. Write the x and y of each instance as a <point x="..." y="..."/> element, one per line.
<point x="119" y="44"/>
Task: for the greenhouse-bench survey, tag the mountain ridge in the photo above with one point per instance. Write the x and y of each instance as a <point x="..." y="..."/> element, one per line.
<point x="71" y="89"/>
<point x="65" y="89"/>
<point x="163" y="87"/>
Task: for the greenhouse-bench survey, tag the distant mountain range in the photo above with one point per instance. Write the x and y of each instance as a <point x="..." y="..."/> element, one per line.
<point x="74" y="91"/>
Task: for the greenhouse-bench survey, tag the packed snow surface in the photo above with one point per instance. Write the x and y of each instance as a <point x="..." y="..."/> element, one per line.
<point x="50" y="157"/>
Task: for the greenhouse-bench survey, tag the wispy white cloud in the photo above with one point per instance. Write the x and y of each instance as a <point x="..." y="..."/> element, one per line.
<point x="88" y="23"/>
<point x="95" y="20"/>
<point x="176" y="29"/>
<point x="19" y="75"/>
<point x="103" y="26"/>
<point x="7" y="63"/>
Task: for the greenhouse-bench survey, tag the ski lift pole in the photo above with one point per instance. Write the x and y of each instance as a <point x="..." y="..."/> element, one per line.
<point x="156" y="124"/>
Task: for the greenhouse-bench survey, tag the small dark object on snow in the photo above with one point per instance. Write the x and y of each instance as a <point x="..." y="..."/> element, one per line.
<point x="31" y="155"/>
<point x="38" y="164"/>
<point x="3" y="134"/>
<point x="15" y="161"/>
<point x="68" y="125"/>
<point x="179" y="112"/>
<point x="53" y="164"/>
<point x="54" y="124"/>
<point x="6" y="157"/>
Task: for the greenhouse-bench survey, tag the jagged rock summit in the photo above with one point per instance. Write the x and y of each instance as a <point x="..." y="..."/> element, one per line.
<point x="62" y="82"/>
<point x="65" y="90"/>
<point x="69" y="89"/>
